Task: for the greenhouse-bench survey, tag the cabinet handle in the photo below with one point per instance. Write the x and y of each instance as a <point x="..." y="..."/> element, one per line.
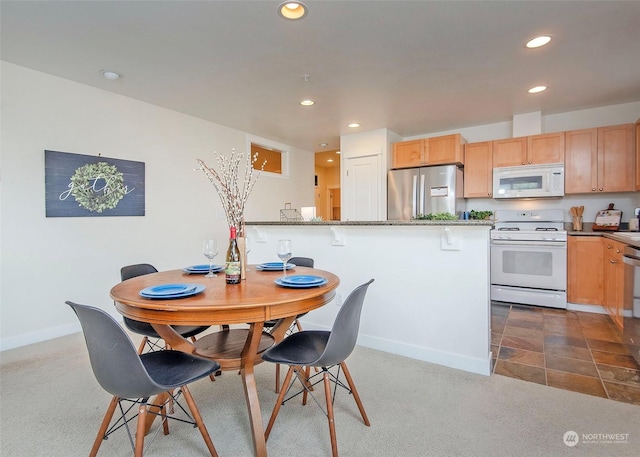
<point x="593" y="189"/>
<point x="609" y="246"/>
<point x="613" y="261"/>
<point x="601" y="189"/>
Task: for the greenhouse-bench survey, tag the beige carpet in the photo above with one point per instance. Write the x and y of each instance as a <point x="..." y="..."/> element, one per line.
<point x="51" y="405"/>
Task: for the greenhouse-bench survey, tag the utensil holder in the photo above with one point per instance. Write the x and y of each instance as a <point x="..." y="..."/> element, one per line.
<point x="577" y="223"/>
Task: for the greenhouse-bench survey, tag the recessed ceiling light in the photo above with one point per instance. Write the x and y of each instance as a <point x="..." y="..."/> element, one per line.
<point x="353" y="125"/>
<point x="292" y="10"/>
<point x="538" y="41"/>
<point x="324" y="145"/>
<point x="307" y="102"/>
<point x="337" y="152"/>
<point x="535" y="90"/>
<point x="110" y="75"/>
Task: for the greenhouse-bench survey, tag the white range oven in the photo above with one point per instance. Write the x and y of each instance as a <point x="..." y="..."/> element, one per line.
<point x="529" y="258"/>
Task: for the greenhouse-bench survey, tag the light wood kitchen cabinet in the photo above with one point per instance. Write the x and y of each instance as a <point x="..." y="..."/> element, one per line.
<point x="441" y="150"/>
<point x="613" y="272"/>
<point x="585" y="275"/>
<point x="638" y="155"/>
<point x="600" y="160"/>
<point x="408" y="154"/>
<point x="445" y="150"/>
<point x="529" y="150"/>
<point x="545" y="148"/>
<point x="510" y="152"/>
<point x="478" y="170"/>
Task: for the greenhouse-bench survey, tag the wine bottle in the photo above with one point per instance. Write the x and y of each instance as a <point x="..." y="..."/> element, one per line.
<point x="233" y="265"/>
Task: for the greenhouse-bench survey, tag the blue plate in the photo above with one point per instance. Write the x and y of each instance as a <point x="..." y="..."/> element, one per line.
<point x="202" y="269"/>
<point x="302" y="279"/>
<point x="197" y="288"/>
<point x="167" y="289"/>
<point x="273" y="266"/>
<point x="281" y="283"/>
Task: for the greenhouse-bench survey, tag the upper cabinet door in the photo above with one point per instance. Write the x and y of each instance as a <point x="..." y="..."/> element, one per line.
<point x="545" y="148"/>
<point x="445" y="150"/>
<point x="478" y="170"/>
<point x="510" y="152"/>
<point x="638" y="155"/>
<point x="407" y="154"/>
<point x="616" y="158"/>
<point x="581" y="161"/>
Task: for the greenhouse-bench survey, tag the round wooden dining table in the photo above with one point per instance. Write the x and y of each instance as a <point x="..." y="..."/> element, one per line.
<point x="255" y="300"/>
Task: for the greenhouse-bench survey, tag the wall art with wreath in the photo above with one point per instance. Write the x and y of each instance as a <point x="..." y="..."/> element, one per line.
<point x="78" y="185"/>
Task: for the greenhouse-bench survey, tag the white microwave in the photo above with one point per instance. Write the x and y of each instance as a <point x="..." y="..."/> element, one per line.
<point x="529" y="181"/>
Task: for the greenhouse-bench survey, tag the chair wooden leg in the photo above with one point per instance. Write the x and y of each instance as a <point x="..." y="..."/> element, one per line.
<point x="198" y="419"/>
<point x="307" y="374"/>
<point x="140" y="431"/>
<point x="276" y="408"/>
<point x="298" y="325"/>
<point x="277" y="378"/>
<point x="165" y="420"/>
<point x="103" y="428"/>
<point x="332" y="425"/>
<point x="142" y="345"/>
<point x="352" y="386"/>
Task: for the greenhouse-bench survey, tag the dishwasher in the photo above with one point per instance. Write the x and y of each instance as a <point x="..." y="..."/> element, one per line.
<point x="631" y="326"/>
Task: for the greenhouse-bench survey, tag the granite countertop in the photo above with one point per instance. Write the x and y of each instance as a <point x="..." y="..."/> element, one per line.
<point x="623" y="234"/>
<point x="485" y="222"/>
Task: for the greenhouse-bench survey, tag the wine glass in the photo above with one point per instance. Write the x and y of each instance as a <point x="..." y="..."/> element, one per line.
<point x="210" y="250"/>
<point x="284" y="253"/>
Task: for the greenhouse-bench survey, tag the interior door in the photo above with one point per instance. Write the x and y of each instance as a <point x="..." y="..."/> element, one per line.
<point x="362" y="198"/>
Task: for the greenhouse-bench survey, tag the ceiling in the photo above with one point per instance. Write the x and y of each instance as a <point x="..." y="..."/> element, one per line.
<point x="413" y="67"/>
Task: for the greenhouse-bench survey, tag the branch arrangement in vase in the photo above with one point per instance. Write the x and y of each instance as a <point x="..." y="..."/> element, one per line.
<point x="232" y="190"/>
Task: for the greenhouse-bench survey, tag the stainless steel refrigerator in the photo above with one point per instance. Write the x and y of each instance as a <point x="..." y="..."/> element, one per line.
<point x="424" y="190"/>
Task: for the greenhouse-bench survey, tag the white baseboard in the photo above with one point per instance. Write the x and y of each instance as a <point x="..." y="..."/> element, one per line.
<point x="25" y="339"/>
<point x="447" y="359"/>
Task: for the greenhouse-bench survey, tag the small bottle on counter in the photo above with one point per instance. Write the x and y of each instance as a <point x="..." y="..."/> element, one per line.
<point x="233" y="265"/>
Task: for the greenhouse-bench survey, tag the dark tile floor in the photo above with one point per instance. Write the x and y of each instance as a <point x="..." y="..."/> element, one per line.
<point x="570" y="350"/>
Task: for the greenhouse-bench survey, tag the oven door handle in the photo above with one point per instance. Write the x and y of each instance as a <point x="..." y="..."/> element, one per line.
<point x="533" y="244"/>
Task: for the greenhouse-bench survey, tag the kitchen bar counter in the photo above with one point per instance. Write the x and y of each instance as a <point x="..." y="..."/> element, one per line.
<point x="486" y="222"/>
<point x="430" y="300"/>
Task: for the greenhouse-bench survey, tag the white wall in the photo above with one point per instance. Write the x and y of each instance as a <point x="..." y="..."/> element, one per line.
<point x="46" y="261"/>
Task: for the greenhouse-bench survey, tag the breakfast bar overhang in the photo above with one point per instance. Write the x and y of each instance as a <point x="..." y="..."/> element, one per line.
<point x="430" y="300"/>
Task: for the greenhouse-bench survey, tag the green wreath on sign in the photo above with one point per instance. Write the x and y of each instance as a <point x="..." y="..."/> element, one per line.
<point x="98" y="186"/>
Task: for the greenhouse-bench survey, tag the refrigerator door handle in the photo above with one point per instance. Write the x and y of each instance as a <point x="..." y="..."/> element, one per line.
<point x="422" y="179"/>
<point x="414" y="206"/>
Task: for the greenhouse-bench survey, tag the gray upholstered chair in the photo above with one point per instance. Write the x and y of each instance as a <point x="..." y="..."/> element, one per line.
<point x="144" y="328"/>
<point x="324" y="350"/>
<point x="133" y="378"/>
